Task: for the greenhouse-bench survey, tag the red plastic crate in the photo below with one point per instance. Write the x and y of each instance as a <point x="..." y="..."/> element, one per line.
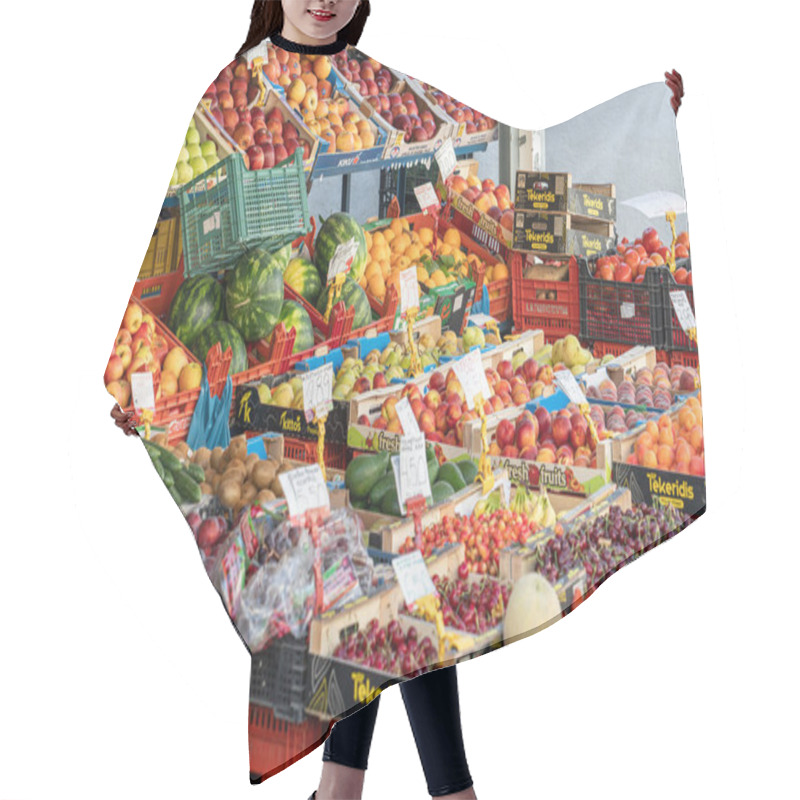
<point x="334" y="454"/>
<point x="156" y="293"/>
<point x="275" y="744"/>
<point x="601" y="349"/>
<point x="683" y="358"/>
<point x="556" y="317"/>
<point x="675" y="336"/>
<point x="500" y="305"/>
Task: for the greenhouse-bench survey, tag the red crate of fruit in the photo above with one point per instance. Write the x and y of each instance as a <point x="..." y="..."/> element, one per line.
<point x="275" y="744"/>
<point x="304" y="450"/>
<point x="676" y="337"/>
<point x="600" y="349"/>
<point x="552" y="306"/>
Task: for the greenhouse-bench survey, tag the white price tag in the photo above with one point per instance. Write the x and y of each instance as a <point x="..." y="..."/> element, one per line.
<point x="426" y="196"/>
<point x="567" y="383"/>
<point x="446" y="159"/>
<point x="142" y="391"/>
<point x="411" y="469"/>
<point x="343" y="258"/>
<point x="304" y="489"/>
<point x="409" y="289"/>
<point x="318" y="391"/>
<point x="680" y="302"/>
<point x="413" y="576"/>
<point x="470" y="374"/>
<point x="627" y="310"/>
<point x="407" y="419"/>
<point x="481" y="320"/>
<point x="212" y="223"/>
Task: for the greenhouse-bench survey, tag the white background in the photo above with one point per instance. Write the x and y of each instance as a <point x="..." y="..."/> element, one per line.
<point x="120" y="675"/>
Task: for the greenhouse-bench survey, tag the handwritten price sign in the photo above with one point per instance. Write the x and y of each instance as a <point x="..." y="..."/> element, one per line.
<point x="567" y="383"/>
<point x="470" y="374"/>
<point x="683" y="311"/>
<point x="411" y="469"/>
<point x="409" y="289"/>
<point x="426" y="196"/>
<point x="304" y="489"/>
<point x="342" y="258"/>
<point x="318" y="391"/>
<point x="142" y="391"/>
<point x="407" y="419"/>
<point x="446" y="159"/>
<point x="413" y="577"/>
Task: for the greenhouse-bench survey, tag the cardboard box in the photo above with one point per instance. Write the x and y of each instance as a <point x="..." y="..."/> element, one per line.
<point x="485" y="230"/>
<point x="554" y="192"/>
<point x="560" y="234"/>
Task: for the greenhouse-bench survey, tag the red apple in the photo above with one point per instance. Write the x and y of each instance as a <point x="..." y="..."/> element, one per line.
<point x="505" y="433"/>
<point x="433" y="399"/>
<point x="114" y="369"/>
<point x="561" y="430"/>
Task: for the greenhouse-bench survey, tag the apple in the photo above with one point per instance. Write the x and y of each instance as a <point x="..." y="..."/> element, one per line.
<point x="132" y="318"/>
<point x="579" y="430"/>
<point x="114" y="369"/>
<point x="120" y="390"/>
<point x="426" y="421"/>
<point x="123" y="337"/>
<point x="433" y="399"/>
<point x="509" y="451"/>
<point x="388" y="410"/>
<point x="124" y="352"/>
<point x="440" y="416"/>
<point x="506" y="433"/>
<point x="453" y="413"/>
<point x="256" y="157"/>
<point x="561" y="430"/>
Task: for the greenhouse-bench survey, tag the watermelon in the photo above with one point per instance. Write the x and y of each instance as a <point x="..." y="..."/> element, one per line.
<point x="352" y="295"/>
<point x="302" y="276"/>
<point x="293" y="315"/>
<point x="254" y="294"/>
<point x="224" y="333"/>
<point x="197" y="303"/>
<point x="283" y="256"/>
<point x="340" y="228"/>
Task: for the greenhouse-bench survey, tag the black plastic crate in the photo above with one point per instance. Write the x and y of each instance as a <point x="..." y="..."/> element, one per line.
<point x="278" y="678"/>
<point x="623" y="313"/>
<point x="675" y="337"/>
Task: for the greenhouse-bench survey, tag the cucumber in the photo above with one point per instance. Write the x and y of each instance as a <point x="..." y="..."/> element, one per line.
<point x="159" y="467"/>
<point x="188" y="487"/>
<point x="378" y="492"/>
<point x="450" y="473"/>
<point x="468" y="469"/>
<point x="175" y="495"/>
<point x="197" y="472"/>
<point x="169" y="460"/>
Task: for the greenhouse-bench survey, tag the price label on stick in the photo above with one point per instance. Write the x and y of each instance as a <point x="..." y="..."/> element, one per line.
<point x="413" y="577"/>
<point x="411" y="469"/>
<point x="426" y="196"/>
<point x="481" y="320"/>
<point x="627" y="311"/>
<point x="304" y="489"/>
<point x="409" y="289"/>
<point x="470" y="374"/>
<point x="683" y="311"/>
<point x="318" y="391"/>
<point x="142" y="391"/>
<point x="342" y="258"/>
<point x="446" y="159"/>
<point x="567" y="383"/>
<point x="407" y="419"/>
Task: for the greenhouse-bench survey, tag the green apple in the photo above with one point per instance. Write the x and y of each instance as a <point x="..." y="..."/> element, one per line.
<point x="173" y="181"/>
<point x="185" y="173"/>
<point x="208" y="148"/>
<point x="212" y="160"/>
<point x="184" y="156"/>
<point x="194" y="151"/>
<point x="192" y="136"/>
<point x="198" y="165"/>
<point x="473" y="336"/>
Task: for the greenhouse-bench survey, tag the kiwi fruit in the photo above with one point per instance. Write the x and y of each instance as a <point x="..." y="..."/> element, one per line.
<point x="234" y="473"/>
<point x="182" y="450"/>
<point x="229" y="493"/>
<point x="250" y="461"/>
<point x="263" y="474"/>
<point x="237" y="450"/>
<point x="265" y="496"/>
<point x="202" y="456"/>
<point x="216" y="458"/>
<point x="249" y="492"/>
<point x="206" y="488"/>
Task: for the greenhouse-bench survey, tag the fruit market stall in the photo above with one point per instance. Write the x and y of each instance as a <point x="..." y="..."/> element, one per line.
<point x="400" y="439"/>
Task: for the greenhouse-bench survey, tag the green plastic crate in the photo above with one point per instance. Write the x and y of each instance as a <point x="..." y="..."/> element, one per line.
<point x="230" y="209"/>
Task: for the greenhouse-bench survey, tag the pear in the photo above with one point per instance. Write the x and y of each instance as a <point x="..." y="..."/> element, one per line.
<point x="426" y="359"/>
<point x="543" y="356"/>
<point x="393" y="372"/>
<point x="557" y="354"/>
<point x="518" y="359"/>
<point x="578" y="369"/>
<point x="392" y="359"/>
<point x="405" y="362"/>
<point x="297" y="385"/>
<point x="606" y="359"/>
<point x="348" y="363"/>
<point x="584" y="356"/>
<point x="340" y="391"/>
<point x="373" y="357"/>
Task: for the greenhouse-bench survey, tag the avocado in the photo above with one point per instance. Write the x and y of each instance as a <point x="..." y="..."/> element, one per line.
<point x="450" y="473"/>
<point x="468" y="469"/>
<point x="440" y="492"/>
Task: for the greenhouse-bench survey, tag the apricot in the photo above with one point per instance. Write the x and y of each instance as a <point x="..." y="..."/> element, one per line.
<point x="665" y="456"/>
<point x="652" y="428"/>
<point x="697" y="466"/>
<point x="696" y="438"/>
<point x="649" y="460"/>
<point x="666" y="436"/>
<point x="686" y="418"/>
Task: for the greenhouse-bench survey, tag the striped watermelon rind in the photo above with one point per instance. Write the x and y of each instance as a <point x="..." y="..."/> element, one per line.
<point x="337" y="229"/>
<point x="198" y="302"/>
<point x="224" y="333"/>
<point x="254" y="294"/>
<point x="293" y="315"/>
<point x="302" y="276"/>
<point x="352" y="295"/>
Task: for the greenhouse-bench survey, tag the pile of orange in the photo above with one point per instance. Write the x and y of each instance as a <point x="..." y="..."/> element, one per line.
<point x="673" y="442"/>
<point x="399" y="246"/>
